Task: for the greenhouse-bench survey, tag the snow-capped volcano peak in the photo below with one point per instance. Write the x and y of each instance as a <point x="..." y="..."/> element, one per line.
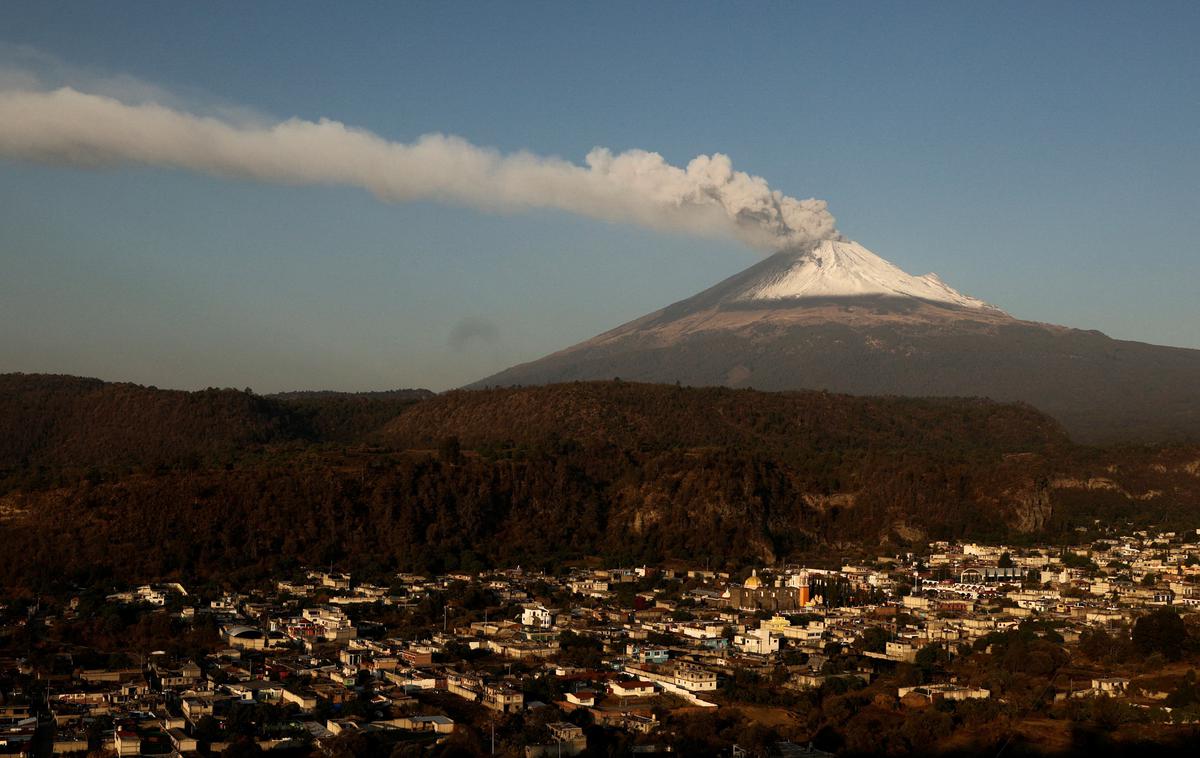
<point x="841" y="268"/>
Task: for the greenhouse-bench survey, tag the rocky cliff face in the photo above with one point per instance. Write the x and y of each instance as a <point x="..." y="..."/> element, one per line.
<point x="1031" y="507"/>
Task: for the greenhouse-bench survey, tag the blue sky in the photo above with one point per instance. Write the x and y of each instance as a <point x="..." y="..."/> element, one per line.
<point x="1042" y="156"/>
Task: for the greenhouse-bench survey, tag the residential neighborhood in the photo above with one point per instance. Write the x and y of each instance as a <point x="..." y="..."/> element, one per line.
<point x="608" y="660"/>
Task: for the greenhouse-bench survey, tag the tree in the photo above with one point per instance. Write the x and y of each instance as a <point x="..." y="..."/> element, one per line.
<point x="1005" y="561"/>
<point x="1187" y="693"/>
<point x="873" y="639"/>
<point x="1099" y="645"/>
<point x="1074" y="560"/>
<point x="208" y="729"/>
<point x="579" y="650"/>
<point x="1161" y="632"/>
<point x="925" y="727"/>
<point x="930" y="657"/>
<point x="450" y="450"/>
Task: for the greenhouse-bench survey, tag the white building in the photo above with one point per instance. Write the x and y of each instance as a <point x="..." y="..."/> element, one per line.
<point x="757" y="642"/>
<point x="538" y="615"/>
<point x="694" y="678"/>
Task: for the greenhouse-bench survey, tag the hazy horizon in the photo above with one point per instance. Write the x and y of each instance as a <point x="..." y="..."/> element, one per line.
<point x="1040" y="158"/>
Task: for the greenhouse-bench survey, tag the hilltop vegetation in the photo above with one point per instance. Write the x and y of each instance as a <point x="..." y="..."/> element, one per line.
<point x="66" y="422"/>
<point x="116" y="481"/>
<point x="666" y="417"/>
<point x="53" y="426"/>
<point x="344" y="417"/>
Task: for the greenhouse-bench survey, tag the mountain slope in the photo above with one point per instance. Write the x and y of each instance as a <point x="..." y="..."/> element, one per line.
<point x="73" y="423"/>
<point x="634" y="473"/>
<point x="664" y="417"/>
<point x="840" y="268"/>
<point x="837" y="317"/>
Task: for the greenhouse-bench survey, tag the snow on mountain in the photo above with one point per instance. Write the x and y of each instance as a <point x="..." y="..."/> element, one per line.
<point x="834" y="316"/>
<point x="841" y="268"/>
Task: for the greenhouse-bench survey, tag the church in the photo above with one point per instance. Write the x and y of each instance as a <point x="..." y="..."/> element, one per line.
<point x="754" y="594"/>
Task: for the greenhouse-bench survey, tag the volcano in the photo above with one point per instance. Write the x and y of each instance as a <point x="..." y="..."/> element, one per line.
<point x="832" y="315"/>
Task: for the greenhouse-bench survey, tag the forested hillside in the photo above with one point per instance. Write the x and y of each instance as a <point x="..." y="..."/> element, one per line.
<point x="665" y="417"/>
<point x="66" y="422"/>
<point x="54" y="426"/>
<point x="633" y="473"/>
<point x="343" y="417"/>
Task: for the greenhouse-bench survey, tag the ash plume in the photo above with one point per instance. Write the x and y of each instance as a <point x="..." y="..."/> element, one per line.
<point x="705" y="198"/>
<point x="473" y="329"/>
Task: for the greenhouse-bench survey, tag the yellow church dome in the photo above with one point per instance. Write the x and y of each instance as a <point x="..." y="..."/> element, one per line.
<point x="752" y="581"/>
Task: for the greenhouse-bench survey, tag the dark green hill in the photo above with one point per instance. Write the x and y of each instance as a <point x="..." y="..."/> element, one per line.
<point x="222" y="484"/>
<point x="776" y="424"/>
<point x="345" y="417"/>
<point x="64" y="423"/>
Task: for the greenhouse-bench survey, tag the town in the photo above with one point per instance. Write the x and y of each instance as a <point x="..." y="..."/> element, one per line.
<point x="957" y="644"/>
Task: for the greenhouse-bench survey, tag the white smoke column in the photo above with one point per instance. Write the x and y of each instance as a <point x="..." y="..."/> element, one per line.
<point x="708" y="198"/>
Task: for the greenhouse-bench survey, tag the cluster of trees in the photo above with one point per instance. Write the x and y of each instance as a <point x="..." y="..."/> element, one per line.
<point x="55" y="428"/>
<point x="1162" y="632"/>
<point x="788" y="426"/>
<point x="346" y="417"/>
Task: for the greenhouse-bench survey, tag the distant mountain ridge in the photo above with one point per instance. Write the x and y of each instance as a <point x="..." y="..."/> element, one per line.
<point x="57" y="421"/>
<point x="398" y="394"/>
<point x="666" y="417"/>
<point x="836" y="317"/>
